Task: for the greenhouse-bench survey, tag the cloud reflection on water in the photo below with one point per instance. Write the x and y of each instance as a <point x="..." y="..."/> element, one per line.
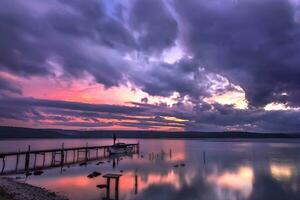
<point x="213" y="170"/>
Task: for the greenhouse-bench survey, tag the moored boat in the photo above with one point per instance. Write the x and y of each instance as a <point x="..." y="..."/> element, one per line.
<point x="120" y="148"/>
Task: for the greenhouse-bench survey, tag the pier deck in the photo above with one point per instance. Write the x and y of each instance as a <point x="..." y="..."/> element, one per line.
<point x="58" y="157"/>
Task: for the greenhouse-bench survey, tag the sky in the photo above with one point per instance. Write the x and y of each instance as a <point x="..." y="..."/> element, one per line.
<point x="165" y="65"/>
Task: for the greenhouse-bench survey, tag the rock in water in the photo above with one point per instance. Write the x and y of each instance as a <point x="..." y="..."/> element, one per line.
<point x="100" y="162"/>
<point x="28" y="173"/>
<point x="37" y="173"/>
<point x="101" y="186"/>
<point x="84" y="163"/>
<point x="94" y="174"/>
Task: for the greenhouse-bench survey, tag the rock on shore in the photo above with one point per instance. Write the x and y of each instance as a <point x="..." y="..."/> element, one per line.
<point x="23" y="191"/>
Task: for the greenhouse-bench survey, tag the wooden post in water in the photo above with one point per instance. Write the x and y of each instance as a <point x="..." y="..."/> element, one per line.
<point x="86" y="152"/>
<point x="34" y="161"/>
<point x="135" y="183"/>
<point x="27" y="159"/>
<point x="53" y="158"/>
<point x="116" y="177"/>
<point x="77" y="155"/>
<point x="3" y="166"/>
<point x="17" y="161"/>
<point x="108" y="188"/>
<point x="62" y="154"/>
<point x="74" y="156"/>
<point x="66" y="157"/>
<point x="44" y="158"/>
<point x="117" y="189"/>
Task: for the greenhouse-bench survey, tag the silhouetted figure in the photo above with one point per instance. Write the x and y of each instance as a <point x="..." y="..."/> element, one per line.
<point x="115" y="138"/>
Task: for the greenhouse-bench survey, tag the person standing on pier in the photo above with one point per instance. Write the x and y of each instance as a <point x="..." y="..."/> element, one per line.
<point x="115" y="138"/>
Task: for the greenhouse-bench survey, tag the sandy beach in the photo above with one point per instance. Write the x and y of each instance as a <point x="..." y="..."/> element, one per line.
<point x="13" y="190"/>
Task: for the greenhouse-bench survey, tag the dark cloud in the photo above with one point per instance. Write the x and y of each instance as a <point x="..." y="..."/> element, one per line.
<point x="153" y="22"/>
<point x="203" y="117"/>
<point x="9" y="86"/>
<point x="64" y="113"/>
<point x="78" y="36"/>
<point x="31" y="102"/>
<point x="162" y="79"/>
<point x="220" y="117"/>
<point x="256" y="44"/>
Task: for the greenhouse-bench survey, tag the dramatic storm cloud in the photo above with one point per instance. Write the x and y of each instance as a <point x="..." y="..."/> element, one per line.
<point x="151" y="64"/>
<point x="256" y="44"/>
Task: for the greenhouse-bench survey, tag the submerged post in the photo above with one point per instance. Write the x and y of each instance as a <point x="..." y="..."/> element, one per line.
<point x="44" y="158"/>
<point x="27" y="159"/>
<point x="3" y="166"/>
<point x="62" y="154"/>
<point x="135" y="183"/>
<point x="86" y="152"/>
<point x="108" y="188"/>
<point x="116" y="177"/>
<point x="17" y="161"/>
<point x="34" y="164"/>
<point x="74" y="156"/>
<point x="115" y="138"/>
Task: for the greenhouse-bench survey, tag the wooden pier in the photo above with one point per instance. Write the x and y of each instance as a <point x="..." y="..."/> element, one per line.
<point x="58" y="157"/>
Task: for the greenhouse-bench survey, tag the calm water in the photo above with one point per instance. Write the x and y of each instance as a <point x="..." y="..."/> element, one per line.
<point x="212" y="170"/>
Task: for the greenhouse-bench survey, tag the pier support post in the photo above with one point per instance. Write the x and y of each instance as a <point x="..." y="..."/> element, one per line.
<point x="66" y="157"/>
<point x="108" y="188"/>
<point x="44" y="158"/>
<point x="86" y="152"/>
<point x="116" y="177"/>
<point x="117" y="189"/>
<point x="74" y="156"/>
<point x="34" y="161"/>
<point x="17" y="161"/>
<point x="62" y="155"/>
<point x="3" y="166"/>
<point x="27" y="159"/>
<point x="135" y="184"/>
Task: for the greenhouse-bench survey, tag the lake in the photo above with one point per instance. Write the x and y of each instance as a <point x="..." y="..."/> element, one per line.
<point x="175" y="169"/>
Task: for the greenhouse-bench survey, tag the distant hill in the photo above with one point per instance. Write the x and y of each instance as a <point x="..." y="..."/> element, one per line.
<point x="27" y="133"/>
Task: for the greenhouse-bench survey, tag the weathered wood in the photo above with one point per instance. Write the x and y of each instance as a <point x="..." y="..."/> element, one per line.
<point x="62" y="156"/>
<point x="27" y="159"/>
<point x="3" y="164"/>
<point x="66" y="149"/>
<point x="108" y="188"/>
<point x="17" y="161"/>
<point x="34" y="161"/>
<point x="117" y="178"/>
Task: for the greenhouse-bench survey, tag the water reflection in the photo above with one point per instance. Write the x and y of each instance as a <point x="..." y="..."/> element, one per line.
<point x="239" y="181"/>
<point x="282" y="171"/>
<point x="190" y="169"/>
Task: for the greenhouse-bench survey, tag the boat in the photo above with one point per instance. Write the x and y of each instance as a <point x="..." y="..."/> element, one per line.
<point x="120" y="148"/>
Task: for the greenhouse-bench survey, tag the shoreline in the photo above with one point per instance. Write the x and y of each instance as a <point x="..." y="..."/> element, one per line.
<point x="11" y="189"/>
